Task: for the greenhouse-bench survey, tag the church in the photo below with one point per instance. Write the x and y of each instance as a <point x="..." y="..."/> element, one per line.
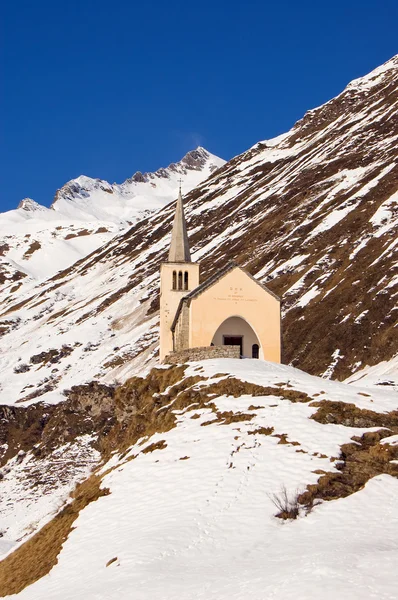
<point x="230" y="309"/>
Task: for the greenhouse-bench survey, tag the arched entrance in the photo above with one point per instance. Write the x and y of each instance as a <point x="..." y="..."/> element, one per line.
<point x="235" y="331"/>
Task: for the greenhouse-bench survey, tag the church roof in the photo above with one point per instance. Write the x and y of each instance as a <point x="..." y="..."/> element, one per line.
<point x="179" y="247"/>
<point x="210" y="282"/>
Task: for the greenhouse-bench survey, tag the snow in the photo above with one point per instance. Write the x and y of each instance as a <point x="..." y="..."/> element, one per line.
<point x="33" y="490"/>
<point x="377" y="375"/>
<point x="385" y="217"/>
<point x="336" y="356"/>
<point x="361" y="316"/>
<point x="286" y="266"/>
<point x="308" y="296"/>
<point x="204" y="526"/>
<point x="392" y="440"/>
<point x="112" y="340"/>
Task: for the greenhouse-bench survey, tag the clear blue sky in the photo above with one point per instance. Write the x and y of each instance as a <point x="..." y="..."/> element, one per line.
<point x="106" y="88"/>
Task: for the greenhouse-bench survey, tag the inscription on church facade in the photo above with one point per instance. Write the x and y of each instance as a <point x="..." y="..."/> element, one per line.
<point x="236" y="295"/>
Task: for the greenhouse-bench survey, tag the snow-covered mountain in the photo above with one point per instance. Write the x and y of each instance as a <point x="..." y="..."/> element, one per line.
<point x="313" y="214"/>
<point x="190" y="460"/>
<point x="36" y="242"/>
<point x="94" y="199"/>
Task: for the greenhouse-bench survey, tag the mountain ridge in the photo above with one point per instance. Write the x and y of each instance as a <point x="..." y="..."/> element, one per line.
<point x="37" y="241"/>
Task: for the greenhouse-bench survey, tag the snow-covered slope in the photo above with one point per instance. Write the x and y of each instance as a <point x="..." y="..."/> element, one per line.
<point x="36" y="242"/>
<point x="189" y="507"/>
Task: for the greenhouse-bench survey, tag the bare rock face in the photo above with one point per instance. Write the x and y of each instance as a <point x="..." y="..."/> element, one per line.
<point x="138" y="177"/>
<point x="196" y="158"/>
<point x="29" y="205"/>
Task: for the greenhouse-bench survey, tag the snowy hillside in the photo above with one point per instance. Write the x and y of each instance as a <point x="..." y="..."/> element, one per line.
<point x="184" y="505"/>
<point x="313" y="214"/>
<point x="36" y="242"/>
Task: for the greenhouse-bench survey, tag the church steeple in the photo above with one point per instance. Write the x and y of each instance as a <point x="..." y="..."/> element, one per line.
<point x="179" y="247"/>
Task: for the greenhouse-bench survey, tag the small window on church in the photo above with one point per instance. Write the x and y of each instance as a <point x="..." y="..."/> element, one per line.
<point x="180" y="280"/>
<point x="174" y="280"/>
<point x="186" y="280"/>
<point x="255" y="351"/>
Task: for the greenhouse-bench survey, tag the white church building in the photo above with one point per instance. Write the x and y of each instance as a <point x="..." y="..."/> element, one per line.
<point x="231" y="308"/>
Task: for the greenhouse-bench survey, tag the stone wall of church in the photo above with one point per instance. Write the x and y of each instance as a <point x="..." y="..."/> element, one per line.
<point x="181" y="333"/>
<point x="203" y="353"/>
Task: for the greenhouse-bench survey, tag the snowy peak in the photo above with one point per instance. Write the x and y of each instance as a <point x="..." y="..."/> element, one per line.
<point x="30" y="205"/>
<point x="195" y="160"/>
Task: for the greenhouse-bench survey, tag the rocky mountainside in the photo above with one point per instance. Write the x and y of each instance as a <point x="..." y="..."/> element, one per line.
<point x="36" y="242"/>
<point x="312" y="213"/>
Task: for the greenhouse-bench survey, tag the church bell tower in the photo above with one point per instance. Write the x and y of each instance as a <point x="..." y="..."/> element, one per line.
<point x="178" y="276"/>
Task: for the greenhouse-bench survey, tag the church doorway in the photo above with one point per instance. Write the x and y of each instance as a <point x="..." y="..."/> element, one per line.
<point x="236" y="331"/>
<point x="229" y="340"/>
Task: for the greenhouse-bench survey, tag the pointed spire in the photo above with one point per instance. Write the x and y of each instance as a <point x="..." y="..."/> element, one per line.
<point x="179" y="247"/>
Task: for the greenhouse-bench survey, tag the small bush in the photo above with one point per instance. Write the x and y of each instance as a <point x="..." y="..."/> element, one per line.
<point x="288" y="508"/>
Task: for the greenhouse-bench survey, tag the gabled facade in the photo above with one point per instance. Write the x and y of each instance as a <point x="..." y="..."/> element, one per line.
<point x="230" y="308"/>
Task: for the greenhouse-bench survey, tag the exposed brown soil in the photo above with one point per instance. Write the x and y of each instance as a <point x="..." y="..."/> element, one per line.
<point x="51" y="356"/>
<point x="32" y="248"/>
<point x="80" y="233"/>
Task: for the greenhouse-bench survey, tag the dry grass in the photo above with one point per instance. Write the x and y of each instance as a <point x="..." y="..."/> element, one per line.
<point x="350" y="415"/>
<point x="38" y="555"/>
<point x="262" y="431"/>
<point x="357" y="463"/>
<point x="234" y="387"/>
<point x="155" y="446"/>
<point x="288" y="507"/>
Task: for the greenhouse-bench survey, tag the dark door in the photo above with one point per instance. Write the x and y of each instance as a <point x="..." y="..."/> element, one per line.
<point x="234" y="340"/>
